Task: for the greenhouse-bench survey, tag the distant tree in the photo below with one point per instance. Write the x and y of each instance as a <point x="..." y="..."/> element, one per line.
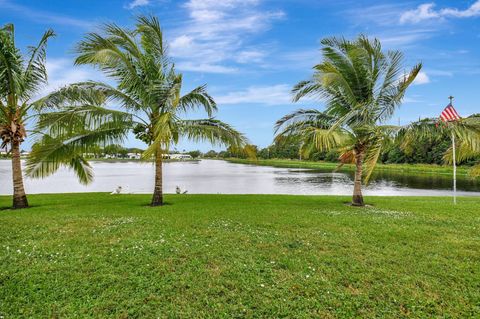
<point x="112" y="149"/>
<point x="210" y="154"/>
<point x="135" y="150"/>
<point x="195" y="154"/>
<point x="248" y="151"/>
<point x="123" y="152"/>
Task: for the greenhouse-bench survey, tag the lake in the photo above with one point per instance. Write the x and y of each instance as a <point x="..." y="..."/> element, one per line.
<point x="216" y="176"/>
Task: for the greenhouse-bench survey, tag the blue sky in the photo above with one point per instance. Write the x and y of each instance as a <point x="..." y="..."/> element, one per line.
<point x="251" y="52"/>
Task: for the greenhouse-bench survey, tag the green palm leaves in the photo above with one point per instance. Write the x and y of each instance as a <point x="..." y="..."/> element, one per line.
<point x="20" y="79"/>
<point x="465" y="130"/>
<point x="361" y="86"/>
<point x="146" y="100"/>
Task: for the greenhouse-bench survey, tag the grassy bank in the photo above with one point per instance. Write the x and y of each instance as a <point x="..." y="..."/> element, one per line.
<point x="407" y="168"/>
<point x="97" y="255"/>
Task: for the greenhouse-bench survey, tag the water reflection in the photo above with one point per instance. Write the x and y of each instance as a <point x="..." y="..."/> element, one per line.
<point x="209" y="176"/>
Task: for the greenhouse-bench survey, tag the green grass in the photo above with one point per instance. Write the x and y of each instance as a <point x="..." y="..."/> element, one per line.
<point x="254" y="256"/>
<point x="405" y="168"/>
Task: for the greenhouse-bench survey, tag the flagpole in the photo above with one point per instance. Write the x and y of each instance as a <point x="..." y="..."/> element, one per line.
<point x="454" y="163"/>
<point x="454" y="171"/>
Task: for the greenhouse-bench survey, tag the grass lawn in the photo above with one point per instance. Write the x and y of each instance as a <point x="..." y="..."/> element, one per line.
<point x="401" y="168"/>
<point x="97" y="255"/>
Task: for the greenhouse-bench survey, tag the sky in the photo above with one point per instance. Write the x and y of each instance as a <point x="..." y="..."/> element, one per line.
<point x="250" y="53"/>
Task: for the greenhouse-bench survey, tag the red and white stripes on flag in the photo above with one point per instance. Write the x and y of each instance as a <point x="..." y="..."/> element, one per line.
<point x="449" y="114"/>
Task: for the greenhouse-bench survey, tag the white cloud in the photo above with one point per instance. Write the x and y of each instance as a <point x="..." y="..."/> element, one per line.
<point x="217" y="34"/>
<point x="422" y="78"/>
<point x="183" y="42"/>
<point x="427" y="11"/>
<point x="382" y="21"/>
<point x="422" y="12"/>
<point x="472" y="11"/>
<point x="270" y="95"/>
<point x="138" y="3"/>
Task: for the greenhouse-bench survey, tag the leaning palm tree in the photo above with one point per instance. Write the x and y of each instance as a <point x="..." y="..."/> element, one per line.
<point x="20" y="80"/>
<point x="465" y="131"/>
<point x="361" y="86"/>
<point x="146" y="101"/>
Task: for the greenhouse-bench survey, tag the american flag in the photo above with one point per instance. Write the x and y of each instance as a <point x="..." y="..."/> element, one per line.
<point x="449" y="114"/>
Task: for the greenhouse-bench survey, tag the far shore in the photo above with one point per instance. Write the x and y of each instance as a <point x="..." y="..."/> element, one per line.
<point x="462" y="171"/>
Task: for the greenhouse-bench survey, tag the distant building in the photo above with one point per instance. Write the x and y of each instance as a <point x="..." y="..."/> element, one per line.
<point x="180" y="156"/>
<point x="133" y="156"/>
<point x="177" y="156"/>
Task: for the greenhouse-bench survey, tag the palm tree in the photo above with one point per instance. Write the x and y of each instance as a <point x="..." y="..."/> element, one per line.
<point x="146" y="100"/>
<point x="361" y="86"/>
<point x="20" y="80"/>
<point x="466" y="132"/>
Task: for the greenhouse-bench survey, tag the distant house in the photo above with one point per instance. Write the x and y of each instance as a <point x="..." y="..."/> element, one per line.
<point x="180" y="156"/>
<point x="3" y="153"/>
<point x="89" y="155"/>
<point x="133" y="155"/>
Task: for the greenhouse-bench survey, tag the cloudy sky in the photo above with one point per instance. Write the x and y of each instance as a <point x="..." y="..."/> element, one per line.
<point x="251" y="52"/>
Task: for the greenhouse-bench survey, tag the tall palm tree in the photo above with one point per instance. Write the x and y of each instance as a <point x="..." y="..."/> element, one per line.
<point x="146" y="100"/>
<point x="20" y="80"/>
<point x="466" y="132"/>
<point x="361" y="86"/>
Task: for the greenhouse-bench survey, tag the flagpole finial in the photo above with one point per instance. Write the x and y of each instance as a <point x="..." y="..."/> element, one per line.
<point x="451" y="99"/>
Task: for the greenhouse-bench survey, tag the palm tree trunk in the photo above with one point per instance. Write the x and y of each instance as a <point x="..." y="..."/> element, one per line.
<point x="19" y="196"/>
<point x="157" y="199"/>
<point x="357" y="199"/>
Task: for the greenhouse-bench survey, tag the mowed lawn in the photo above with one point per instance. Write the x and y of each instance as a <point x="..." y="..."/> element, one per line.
<point x="102" y="256"/>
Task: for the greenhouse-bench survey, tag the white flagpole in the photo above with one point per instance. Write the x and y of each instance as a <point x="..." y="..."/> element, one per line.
<point x="454" y="162"/>
<point x="454" y="171"/>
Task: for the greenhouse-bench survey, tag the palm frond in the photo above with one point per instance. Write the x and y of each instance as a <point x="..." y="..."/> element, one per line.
<point x="35" y="73"/>
<point x="211" y="130"/>
<point x="196" y="98"/>
<point x="380" y="138"/>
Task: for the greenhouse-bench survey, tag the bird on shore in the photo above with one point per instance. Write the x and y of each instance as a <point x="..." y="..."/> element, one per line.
<point x="117" y="191"/>
<point x="179" y="191"/>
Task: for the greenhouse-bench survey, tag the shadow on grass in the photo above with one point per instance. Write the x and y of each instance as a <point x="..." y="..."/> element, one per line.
<point x="159" y="206"/>
<point x="349" y="204"/>
<point x="10" y="208"/>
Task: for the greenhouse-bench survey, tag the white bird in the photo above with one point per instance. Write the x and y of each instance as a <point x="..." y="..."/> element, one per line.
<point x="117" y="191"/>
<point x="179" y="191"/>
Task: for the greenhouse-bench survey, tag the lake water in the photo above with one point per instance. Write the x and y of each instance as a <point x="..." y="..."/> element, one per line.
<point x="215" y="176"/>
